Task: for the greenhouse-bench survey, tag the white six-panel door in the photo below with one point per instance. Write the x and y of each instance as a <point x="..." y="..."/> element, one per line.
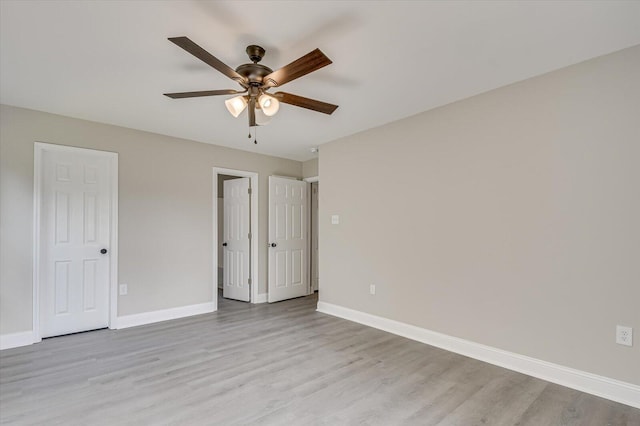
<point x="288" y="242"/>
<point x="75" y="212"/>
<point x="236" y="241"/>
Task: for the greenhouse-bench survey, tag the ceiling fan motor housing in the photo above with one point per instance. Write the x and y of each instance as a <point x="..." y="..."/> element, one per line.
<point x="255" y="53"/>
<point x="254" y="73"/>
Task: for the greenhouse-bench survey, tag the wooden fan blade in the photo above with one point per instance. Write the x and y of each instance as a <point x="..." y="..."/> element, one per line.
<point x="181" y="95"/>
<point x="307" y="103"/>
<point x="310" y="62"/>
<point x="252" y="112"/>
<point x="206" y="57"/>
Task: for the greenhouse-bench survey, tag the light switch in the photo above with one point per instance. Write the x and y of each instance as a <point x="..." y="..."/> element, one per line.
<point x="335" y="219"/>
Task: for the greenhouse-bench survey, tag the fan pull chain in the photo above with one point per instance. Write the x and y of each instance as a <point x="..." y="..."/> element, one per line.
<point x="255" y="135"/>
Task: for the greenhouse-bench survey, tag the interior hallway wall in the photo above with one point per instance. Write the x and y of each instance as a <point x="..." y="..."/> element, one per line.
<point x="165" y="210"/>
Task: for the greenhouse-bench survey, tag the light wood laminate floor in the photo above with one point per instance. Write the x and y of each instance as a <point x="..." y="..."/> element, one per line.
<point x="279" y="364"/>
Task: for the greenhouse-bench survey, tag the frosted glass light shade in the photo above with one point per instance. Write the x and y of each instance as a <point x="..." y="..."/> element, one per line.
<point x="262" y="119"/>
<point x="268" y="104"/>
<point x="236" y="105"/>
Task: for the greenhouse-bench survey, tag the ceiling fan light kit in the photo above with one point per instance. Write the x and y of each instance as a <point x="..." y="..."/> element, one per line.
<point x="262" y="119"/>
<point x="236" y="105"/>
<point x="269" y="104"/>
<point x="256" y="79"/>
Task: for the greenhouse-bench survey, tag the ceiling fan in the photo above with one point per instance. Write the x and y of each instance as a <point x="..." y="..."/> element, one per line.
<point x="256" y="79"/>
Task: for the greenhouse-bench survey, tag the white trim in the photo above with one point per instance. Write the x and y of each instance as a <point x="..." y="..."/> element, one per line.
<point x="113" y="248"/>
<point x="38" y="149"/>
<point x="310" y="225"/>
<point x="255" y="281"/>
<point x="15" y="340"/>
<point x="287" y="177"/>
<point x="309" y="254"/>
<point x="615" y="390"/>
<point x="37" y="189"/>
<point x="262" y="298"/>
<point x="135" y="320"/>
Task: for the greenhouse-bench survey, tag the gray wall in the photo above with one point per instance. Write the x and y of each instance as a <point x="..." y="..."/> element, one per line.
<point x="510" y="219"/>
<point x="310" y="168"/>
<point x="165" y="210"/>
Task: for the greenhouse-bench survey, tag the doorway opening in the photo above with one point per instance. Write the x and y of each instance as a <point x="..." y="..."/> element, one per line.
<point x="235" y="235"/>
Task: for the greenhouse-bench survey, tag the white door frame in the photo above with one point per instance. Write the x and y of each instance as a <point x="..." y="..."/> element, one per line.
<point x="254" y="231"/>
<point x="310" y="248"/>
<point x="38" y="150"/>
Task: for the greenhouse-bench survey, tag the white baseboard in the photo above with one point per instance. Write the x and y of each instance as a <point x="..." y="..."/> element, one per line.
<point x="615" y="390"/>
<point x="134" y="320"/>
<point x="15" y="340"/>
<point x="262" y="298"/>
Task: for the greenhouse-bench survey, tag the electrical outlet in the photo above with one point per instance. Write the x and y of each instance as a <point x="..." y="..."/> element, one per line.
<point x="335" y="219"/>
<point x="372" y="289"/>
<point x="624" y="335"/>
<point x="123" y="289"/>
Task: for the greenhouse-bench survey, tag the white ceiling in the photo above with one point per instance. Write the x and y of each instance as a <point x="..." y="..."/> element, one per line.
<point x="110" y="61"/>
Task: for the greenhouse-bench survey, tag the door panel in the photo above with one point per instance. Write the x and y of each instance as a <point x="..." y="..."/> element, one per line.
<point x="297" y="264"/>
<point x="90" y="284"/>
<point x="75" y="226"/>
<point x="90" y="217"/>
<point x="288" y="276"/>
<point x="61" y="287"/>
<point x="236" y="226"/>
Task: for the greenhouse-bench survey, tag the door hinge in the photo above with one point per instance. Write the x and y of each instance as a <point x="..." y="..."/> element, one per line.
<point x="249" y="281"/>
<point x="249" y="191"/>
<point x="249" y="235"/>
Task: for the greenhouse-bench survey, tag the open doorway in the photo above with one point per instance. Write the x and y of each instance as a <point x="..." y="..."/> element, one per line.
<point x="235" y="231"/>
<point x="233" y="253"/>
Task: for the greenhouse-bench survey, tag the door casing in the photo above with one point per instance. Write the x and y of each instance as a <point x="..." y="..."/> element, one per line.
<point x="311" y="180"/>
<point x="38" y="150"/>
<point x="255" y="296"/>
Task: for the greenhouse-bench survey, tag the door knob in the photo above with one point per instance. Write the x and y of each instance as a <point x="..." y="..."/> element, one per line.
<point x="103" y="251"/>
<point x="224" y="244"/>
<point x="273" y="244"/>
